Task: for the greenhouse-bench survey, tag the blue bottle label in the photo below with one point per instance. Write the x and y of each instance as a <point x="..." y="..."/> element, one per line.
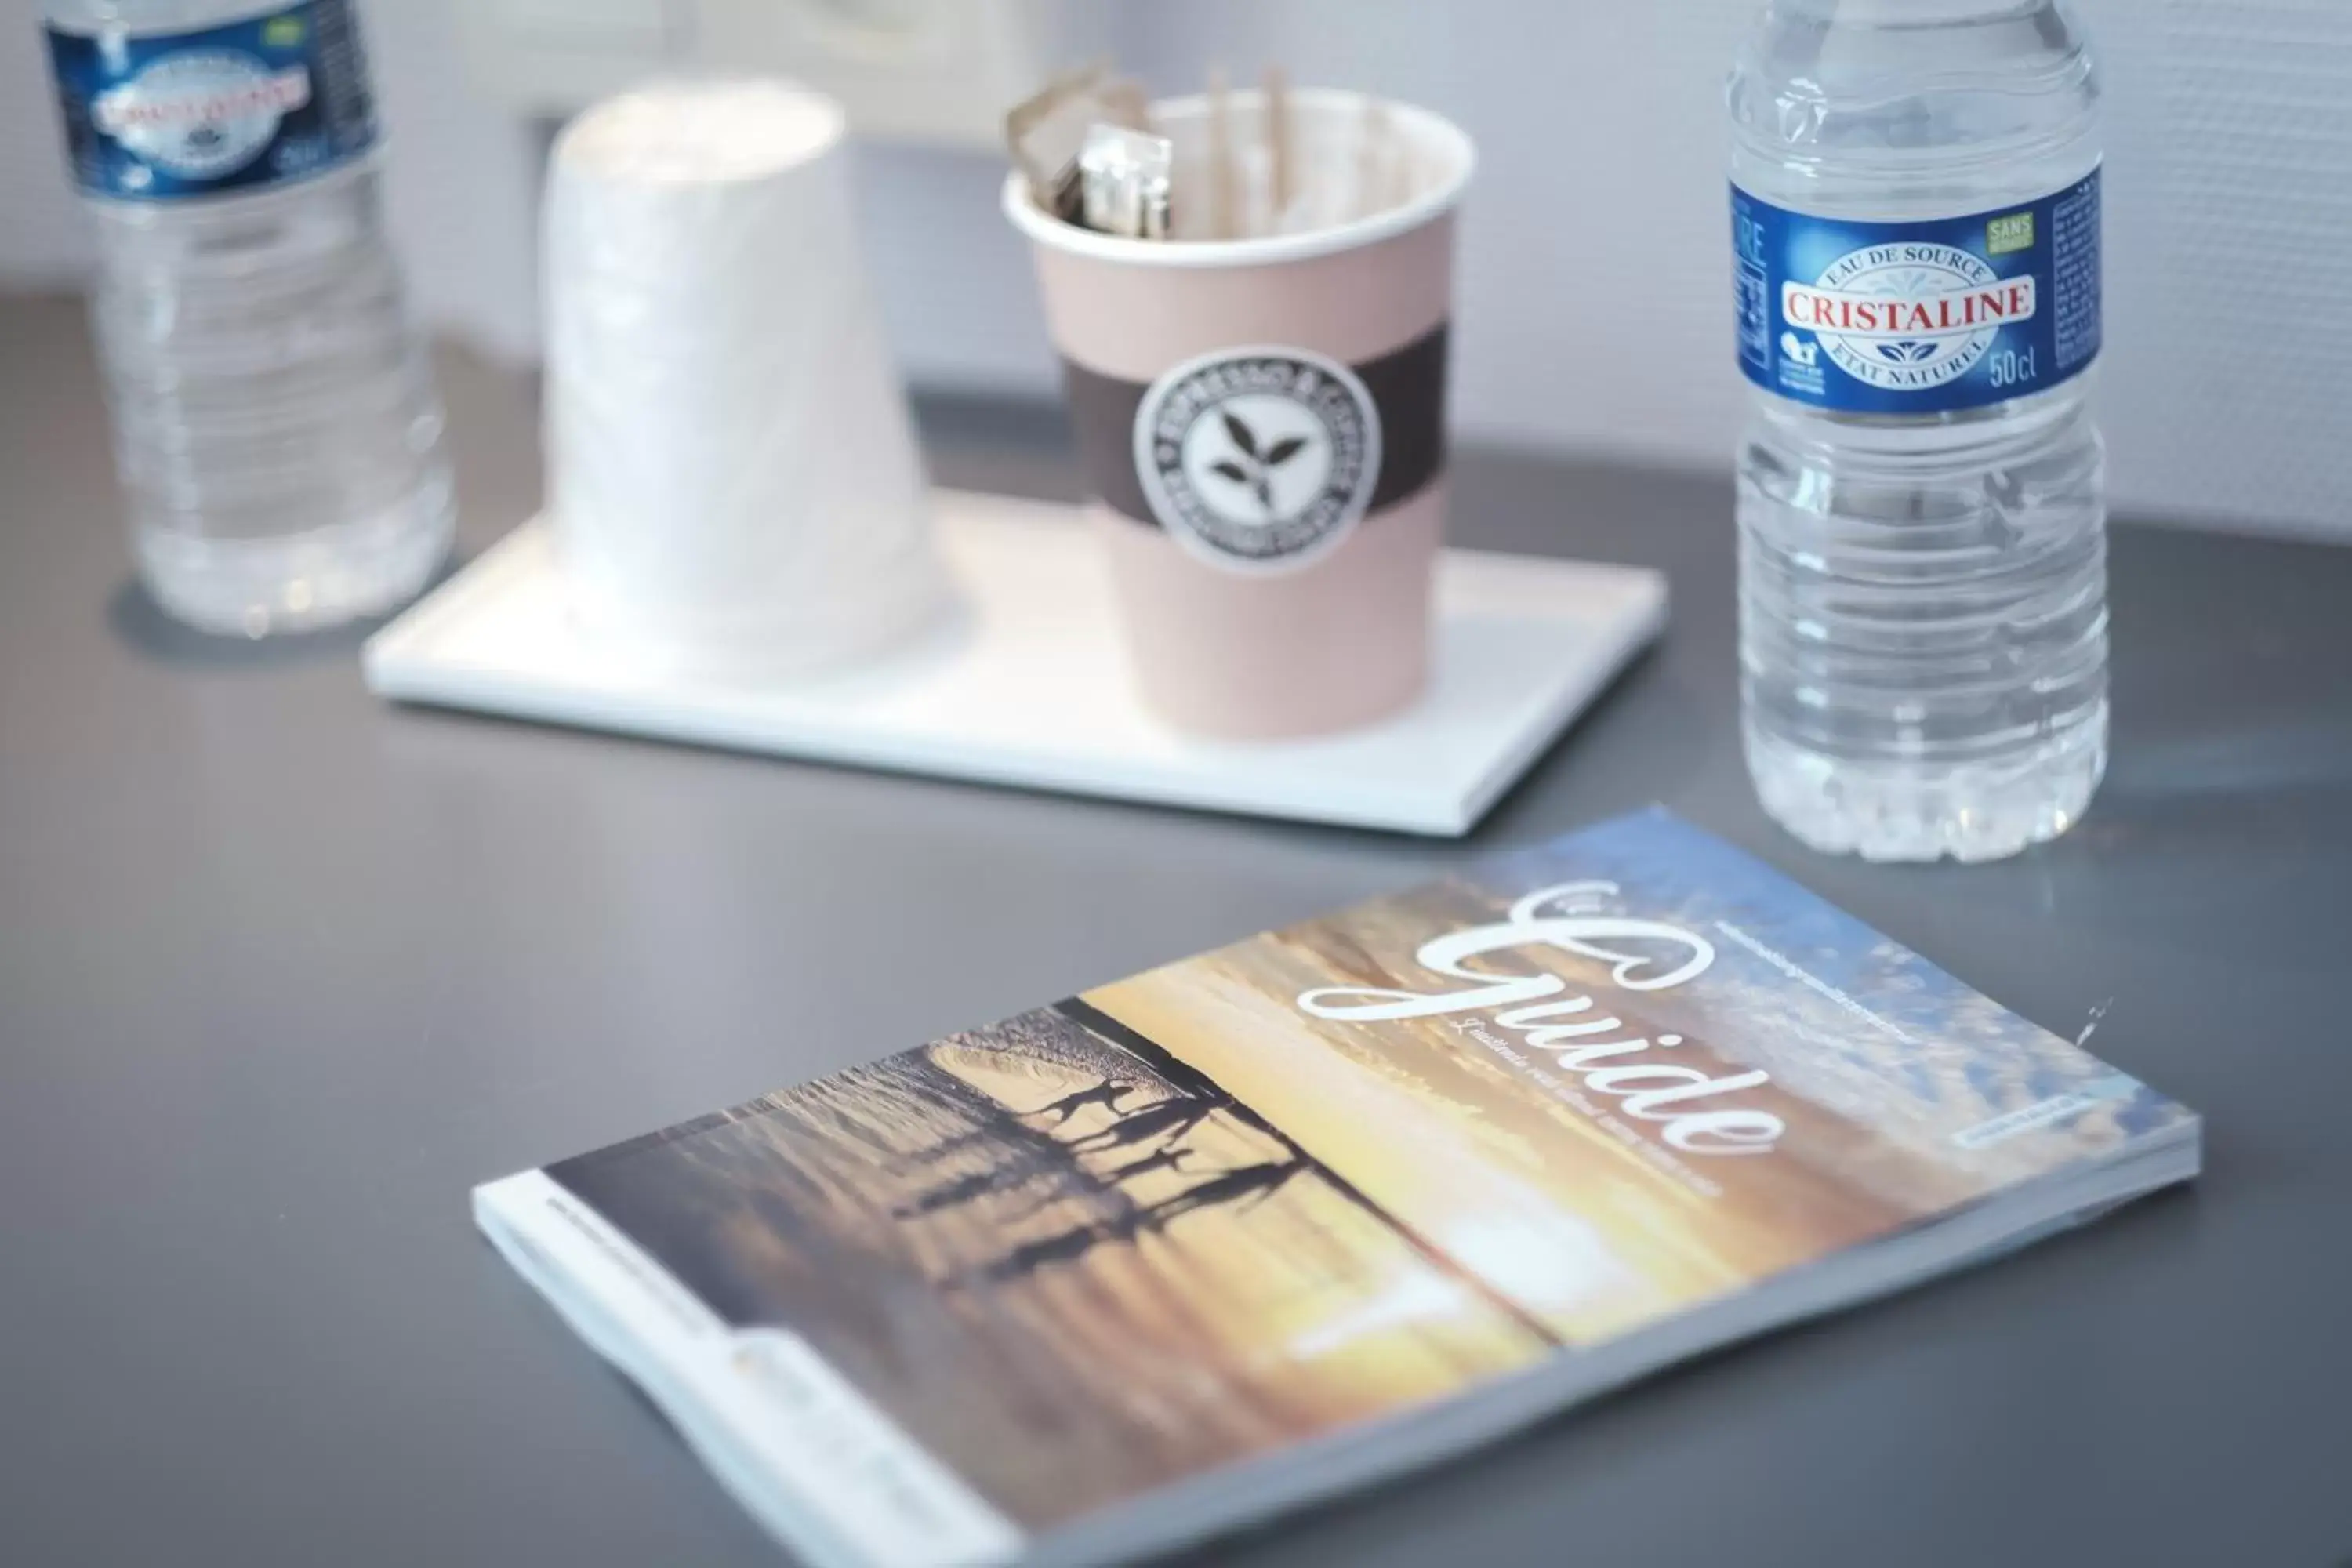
<point x="1917" y="318"/>
<point x="171" y="116"/>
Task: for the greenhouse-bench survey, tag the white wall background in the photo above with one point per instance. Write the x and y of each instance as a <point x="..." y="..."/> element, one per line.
<point x="1595" y="315"/>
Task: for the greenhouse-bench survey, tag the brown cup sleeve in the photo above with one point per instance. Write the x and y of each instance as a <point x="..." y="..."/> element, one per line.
<point x="1407" y="386"/>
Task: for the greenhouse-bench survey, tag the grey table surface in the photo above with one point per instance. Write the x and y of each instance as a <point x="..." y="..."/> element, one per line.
<point x="283" y="972"/>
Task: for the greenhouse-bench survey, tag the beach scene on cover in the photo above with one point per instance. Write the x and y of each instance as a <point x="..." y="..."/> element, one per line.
<point x="1330" y="1173"/>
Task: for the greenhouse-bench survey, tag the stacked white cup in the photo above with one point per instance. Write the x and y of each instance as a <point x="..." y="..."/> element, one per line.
<point x="732" y="483"/>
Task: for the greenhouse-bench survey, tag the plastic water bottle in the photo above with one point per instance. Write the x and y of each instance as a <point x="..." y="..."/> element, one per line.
<point x="1923" y="569"/>
<point x="276" y="425"/>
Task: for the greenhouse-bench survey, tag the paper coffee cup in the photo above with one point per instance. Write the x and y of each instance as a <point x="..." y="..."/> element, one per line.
<point x="1263" y="424"/>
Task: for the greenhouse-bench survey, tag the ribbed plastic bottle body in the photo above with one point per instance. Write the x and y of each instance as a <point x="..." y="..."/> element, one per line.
<point x="277" y="427"/>
<point x="1923" y="595"/>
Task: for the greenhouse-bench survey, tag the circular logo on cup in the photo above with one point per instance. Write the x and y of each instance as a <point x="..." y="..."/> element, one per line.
<point x="1258" y="459"/>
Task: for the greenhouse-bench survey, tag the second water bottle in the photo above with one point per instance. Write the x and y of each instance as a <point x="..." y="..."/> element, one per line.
<point x="1923" y="571"/>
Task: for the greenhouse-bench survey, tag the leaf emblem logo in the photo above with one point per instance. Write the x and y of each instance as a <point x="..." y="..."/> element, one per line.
<point x="1258" y="459"/>
<point x="1251" y="470"/>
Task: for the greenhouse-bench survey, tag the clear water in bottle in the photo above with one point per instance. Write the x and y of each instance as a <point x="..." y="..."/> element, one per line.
<point x="276" y="424"/>
<point x="1923" y="570"/>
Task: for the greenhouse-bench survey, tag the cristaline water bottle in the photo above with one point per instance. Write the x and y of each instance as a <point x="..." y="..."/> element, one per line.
<point x="276" y="424"/>
<point x="1923" y="569"/>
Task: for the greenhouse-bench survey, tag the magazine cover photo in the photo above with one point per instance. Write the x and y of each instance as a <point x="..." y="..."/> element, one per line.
<point x="1328" y="1174"/>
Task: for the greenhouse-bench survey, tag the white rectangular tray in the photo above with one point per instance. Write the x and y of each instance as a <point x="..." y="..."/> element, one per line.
<point x="1033" y="689"/>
